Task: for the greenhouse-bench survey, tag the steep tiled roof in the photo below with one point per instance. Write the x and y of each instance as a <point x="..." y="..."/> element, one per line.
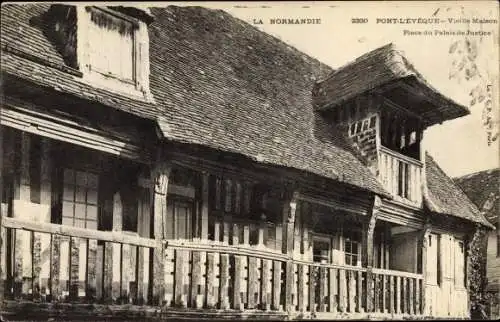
<point x="375" y="69"/>
<point x="216" y="80"/>
<point x="483" y="188"/>
<point x="445" y="197"/>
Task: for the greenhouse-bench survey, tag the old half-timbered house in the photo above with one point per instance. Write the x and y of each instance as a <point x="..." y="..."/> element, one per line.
<point x="178" y="162"/>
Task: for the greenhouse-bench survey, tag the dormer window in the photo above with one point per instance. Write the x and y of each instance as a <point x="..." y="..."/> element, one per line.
<point x="109" y="45"/>
<point x="113" y="49"/>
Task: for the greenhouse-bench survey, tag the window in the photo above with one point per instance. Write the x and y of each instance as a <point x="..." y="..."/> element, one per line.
<point x="352" y="248"/>
<point x="111" y="44"/>
<point x="79" y="206"/>
<point x="321" y="249"/>
<point x="113" y="49"/>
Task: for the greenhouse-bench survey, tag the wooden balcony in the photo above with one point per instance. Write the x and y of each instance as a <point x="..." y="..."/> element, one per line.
<point x="401" y="176"/>
<point x="73" y="267"/>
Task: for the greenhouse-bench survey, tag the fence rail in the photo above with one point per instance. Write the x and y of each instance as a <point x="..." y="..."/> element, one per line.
<point x="53" y="263"/>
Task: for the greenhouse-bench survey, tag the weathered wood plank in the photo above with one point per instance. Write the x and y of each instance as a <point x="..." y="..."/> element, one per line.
<point x="276" y="285"/>
<point x="342" y="290"/>
<point x="18" y="262"/>
<point x="246" y="234"/>
<point x="36" y="255"/>
<point x="236" y="234"/>
<point x="266" y="284"/>
<point x="129" y="282"/>
<point x="74" y="268"/>
<point x="158" y="277"/>
<point x="411" y="296"/>
<point x="117" y="272"/>
<point x="312" y="288"/>
<point x="301" y="287"/>
<point x="160" y="174"/>
<point x="384" y="293"/>
<point x="55" y="257"/>
<point x="398" y="295"/>
<point x="289" y="286"/>
<point x="405" y="295"/>
<point x="237" y="282"/>
<point x="322" y="289"/>
<point x="359" y="292"/>
<point x="181" y="258"/>
<point x="169" y="275"/>
<point x="108" y="273"/>
<point x="417" y="297"/>
<point x="211" y="297"/>
<point x="253" y="282"/>
<point x="224" y="281"/>
<point x="99" y="271"/>
<point x="376" y="292"/>
<point x="141" y="269"/>
<point x="197" y="281"/>
<point x="92" y="267"/>
<point x="333" y="290"/>
<point x="70" y="231"/>
<point x="64" y="266"/>
<point x="391" y="295"/>
<point x="352" y="291"/>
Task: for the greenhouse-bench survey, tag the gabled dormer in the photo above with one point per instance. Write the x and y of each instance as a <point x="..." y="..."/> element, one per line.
<point x="108" y="45"/>
<point x="385" y="106"/>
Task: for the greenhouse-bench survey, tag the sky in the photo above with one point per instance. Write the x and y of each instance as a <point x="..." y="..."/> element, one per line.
<point x="460" y="146"/>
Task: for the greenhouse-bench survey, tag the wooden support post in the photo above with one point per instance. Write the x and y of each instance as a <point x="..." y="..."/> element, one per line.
<point x="367" y="253"/>
<point x="425" y="245"/>
<point x="289" y="210"/>
<point x="204" y="205"/>
<point x="160" y="176"/>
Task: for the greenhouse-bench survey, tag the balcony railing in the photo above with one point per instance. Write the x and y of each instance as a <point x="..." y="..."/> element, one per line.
<point x="401" y="176"/>
<point x="109" y="268"/>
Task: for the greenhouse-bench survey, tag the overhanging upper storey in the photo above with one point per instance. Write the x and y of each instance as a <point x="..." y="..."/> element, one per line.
<point x="386" y="72"/>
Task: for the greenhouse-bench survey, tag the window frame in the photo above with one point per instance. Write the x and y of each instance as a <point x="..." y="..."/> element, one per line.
<point x="348" y="238"/>
<point x="74" y="200"/>
<point x="322" y="238"/>
<point x="139" y="84"/>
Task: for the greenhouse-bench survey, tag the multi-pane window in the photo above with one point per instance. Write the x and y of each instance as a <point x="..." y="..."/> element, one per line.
<point x="352" y="248"/>
<point x="111" y="44"/>
<point x="321" y="249"/>
<point x="79" y="206"/>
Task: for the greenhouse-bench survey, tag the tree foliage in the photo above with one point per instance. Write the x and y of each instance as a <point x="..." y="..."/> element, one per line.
<point x="476" y="277"/>
<point x="470" y="67"/>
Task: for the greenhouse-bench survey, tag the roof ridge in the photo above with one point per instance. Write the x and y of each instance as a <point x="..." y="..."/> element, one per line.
<point x="472" y="174"/>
